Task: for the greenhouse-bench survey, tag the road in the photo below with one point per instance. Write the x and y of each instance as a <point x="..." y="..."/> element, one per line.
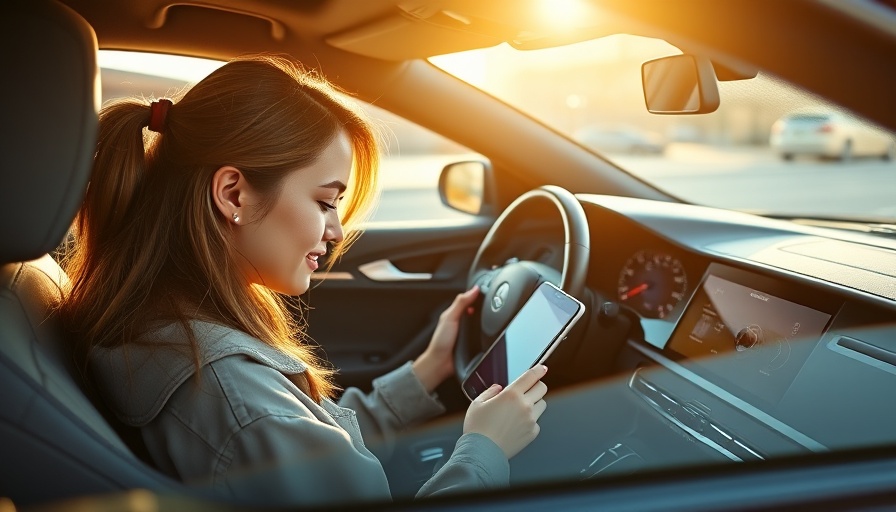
<point x="757" y="180"/>
<point x="750" y="179"/>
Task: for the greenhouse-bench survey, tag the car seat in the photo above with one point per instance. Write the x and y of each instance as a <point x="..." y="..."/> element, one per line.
<point x="54" y="442"/>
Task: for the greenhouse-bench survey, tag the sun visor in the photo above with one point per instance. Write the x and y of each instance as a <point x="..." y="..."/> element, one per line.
<point x="402" y="37"/>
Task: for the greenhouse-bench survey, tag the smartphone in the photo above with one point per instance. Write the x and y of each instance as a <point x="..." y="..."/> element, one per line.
<point x="530" y="337"/>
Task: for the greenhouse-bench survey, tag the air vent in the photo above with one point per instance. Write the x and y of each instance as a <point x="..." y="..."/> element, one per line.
<point x="882" y="354"/>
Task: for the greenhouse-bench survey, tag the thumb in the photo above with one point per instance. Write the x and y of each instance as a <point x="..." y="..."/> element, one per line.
<point x="489" y="393"/>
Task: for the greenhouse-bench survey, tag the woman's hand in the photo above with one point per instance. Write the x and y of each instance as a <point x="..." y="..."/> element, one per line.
<point x="436" y="363"/>
<point x="509" y="417"/>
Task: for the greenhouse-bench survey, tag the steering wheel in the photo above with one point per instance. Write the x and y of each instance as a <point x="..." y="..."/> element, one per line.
<point x="506" y="285"/>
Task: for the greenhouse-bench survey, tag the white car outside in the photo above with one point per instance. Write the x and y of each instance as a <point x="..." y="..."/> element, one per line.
<point x="829" y="135"/>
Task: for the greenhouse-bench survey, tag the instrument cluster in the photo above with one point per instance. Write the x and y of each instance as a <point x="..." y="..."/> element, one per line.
<point x="652" y="283"/>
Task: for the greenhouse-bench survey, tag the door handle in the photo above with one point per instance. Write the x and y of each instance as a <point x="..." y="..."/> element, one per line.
<point x="384" y="270"/>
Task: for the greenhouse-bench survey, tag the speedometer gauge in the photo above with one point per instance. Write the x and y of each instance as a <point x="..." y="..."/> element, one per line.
<point x="652" y="283"/>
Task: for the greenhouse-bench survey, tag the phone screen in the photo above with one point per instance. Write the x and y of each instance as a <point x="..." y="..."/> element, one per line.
<point x="528" y="339"/>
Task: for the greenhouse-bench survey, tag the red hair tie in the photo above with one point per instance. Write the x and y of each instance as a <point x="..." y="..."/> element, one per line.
<point x="158" y="110"/>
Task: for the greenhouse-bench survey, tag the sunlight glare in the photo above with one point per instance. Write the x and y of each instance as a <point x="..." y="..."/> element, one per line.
<point x="562" y="13"/>
<point x="471" y="67"/>
<point x="189" y="69"/>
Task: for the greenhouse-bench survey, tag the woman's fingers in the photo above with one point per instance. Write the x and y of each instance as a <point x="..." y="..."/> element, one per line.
<point x="462" y="302"/>
<point x="509" y="417"/>
<point x="490" y="392"/>
<point x="538" y="409"/>
<point x="536" y="392"/>
<point x="528" y="379"/>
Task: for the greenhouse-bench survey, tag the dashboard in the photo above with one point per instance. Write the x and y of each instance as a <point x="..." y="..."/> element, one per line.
<point x="751" y="338"/>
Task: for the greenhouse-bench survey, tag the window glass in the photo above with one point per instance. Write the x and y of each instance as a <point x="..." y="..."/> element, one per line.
<point x="770" y="148"/>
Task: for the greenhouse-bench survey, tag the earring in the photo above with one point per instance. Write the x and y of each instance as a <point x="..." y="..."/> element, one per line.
<point x="236" y="218"/>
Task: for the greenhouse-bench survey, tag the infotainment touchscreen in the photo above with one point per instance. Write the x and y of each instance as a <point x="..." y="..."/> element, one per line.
<point x="740" y="331"/>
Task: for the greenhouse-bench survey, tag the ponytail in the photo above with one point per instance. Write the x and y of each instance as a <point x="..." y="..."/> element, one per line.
<point x="118" y="171"/>
<point x="99" y="262"/>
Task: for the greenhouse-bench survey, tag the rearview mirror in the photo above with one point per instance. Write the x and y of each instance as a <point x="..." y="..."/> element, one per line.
<point x="462" y="186"/>
<point x="680" y="84"/>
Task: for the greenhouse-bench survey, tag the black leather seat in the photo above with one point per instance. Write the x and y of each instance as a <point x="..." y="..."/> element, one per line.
<point x="54" y="443"/>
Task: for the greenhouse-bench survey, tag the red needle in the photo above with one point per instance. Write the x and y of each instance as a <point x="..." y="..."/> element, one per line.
<point x="634" y="291"/>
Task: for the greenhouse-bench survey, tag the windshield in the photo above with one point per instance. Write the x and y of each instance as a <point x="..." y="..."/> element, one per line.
<point x="770" y="148"/>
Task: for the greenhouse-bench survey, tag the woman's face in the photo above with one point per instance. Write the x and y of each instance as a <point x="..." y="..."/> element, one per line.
<point x="281" y="249"/>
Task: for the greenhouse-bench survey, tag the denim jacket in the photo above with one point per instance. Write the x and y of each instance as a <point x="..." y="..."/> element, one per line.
<point x="248" y="431"/>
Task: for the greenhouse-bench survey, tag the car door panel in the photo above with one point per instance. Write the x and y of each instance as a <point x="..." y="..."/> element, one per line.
<point x="366" y="327"/>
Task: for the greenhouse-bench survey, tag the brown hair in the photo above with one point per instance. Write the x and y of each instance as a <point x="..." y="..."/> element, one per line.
<point x="151" y="246"/>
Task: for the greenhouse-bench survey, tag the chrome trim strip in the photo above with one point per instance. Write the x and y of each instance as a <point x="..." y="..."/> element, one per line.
<point x="334" y="276"/>
<point x="384" y="270"/>
<point x="675" y="421"/>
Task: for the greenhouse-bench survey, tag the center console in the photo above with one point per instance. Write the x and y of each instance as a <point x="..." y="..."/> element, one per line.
<point x="737" y="350"/>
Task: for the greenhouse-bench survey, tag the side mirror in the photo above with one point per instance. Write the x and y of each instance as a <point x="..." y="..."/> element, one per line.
<point x="462" y="186"/>
<point x="680" y="84"/>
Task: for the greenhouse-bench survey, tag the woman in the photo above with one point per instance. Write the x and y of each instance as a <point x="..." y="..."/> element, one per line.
<point x="192" y="232"/>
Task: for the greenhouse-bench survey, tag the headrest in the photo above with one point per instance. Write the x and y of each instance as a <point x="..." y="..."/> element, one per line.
<point x="49" y="101"/>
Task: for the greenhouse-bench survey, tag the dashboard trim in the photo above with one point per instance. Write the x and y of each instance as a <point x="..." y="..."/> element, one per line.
<point x="680" y="424"/>
<point x="745" y="407"/>
<point x="845" y="274"/>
